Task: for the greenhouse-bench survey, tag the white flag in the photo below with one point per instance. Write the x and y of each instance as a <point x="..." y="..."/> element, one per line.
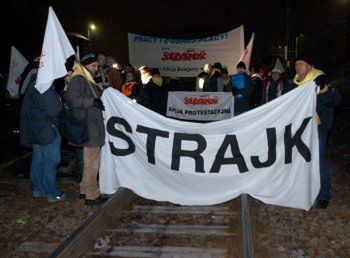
<point x="245" y="58"/>
<point x="56" y="50"/>
<point x="17" y="65"/>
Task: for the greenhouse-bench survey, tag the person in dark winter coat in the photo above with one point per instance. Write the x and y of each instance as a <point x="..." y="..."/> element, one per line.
<point x="276" y="86"/>
<point x="39" y="123"/>
<point x="258" y="91"/>
<point x="242" y="94"/>
<point x="101" y="78"/>
<point x="30" y="70"/>
<point x="214" y="82"/>
<point x="83" y="97"/>
<point x="328" y="98"/>
<point x="157" y="94"/>
<point x="203" y="77"/>
<point x="173" y="84"/>
<point x="226" y="80"/>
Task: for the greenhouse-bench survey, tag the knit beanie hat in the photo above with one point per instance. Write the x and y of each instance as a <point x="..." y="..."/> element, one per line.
<point x="218" y="66"/>
<point x="305" y="57"/>
<point x="89" y="59"/>
<point x="241" y="65"/>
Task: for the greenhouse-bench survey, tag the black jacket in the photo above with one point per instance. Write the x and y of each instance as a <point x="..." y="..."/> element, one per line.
<point x="157" y="96"/>
<point x="272" y="92"/>
<point x="257" y="94"/>
<point x="328" y="98"/>
<point x="211" y="84"/>
<point x="39" y="116"/>
<point x="326" y="102"/>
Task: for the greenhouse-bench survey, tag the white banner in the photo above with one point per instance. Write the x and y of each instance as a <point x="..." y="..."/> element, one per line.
<point x="17" y="65"/>
<point x="270" y="153"/>
<point x="200" y="106"/>
<point x="186" y="57"/>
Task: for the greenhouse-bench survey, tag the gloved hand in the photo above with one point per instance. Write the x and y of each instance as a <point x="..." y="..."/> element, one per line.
<point x="322" y="81"/>
<point x="99" y="104"/>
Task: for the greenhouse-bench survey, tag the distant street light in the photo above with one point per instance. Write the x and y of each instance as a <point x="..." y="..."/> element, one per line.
<point x="92" y="27"/>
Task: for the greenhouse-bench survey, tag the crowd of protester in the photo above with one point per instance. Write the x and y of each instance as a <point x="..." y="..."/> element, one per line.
<point x="86" y="80"/>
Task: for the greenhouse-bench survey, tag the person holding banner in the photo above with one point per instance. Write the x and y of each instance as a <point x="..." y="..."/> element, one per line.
<point x="328" y="98"/>
<point x="156" y="93"/>
<point x="83" y="97"/>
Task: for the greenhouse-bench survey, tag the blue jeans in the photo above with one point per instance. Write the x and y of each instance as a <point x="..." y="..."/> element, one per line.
<point x="324" y="193"/>
<point x="43" y="169"/>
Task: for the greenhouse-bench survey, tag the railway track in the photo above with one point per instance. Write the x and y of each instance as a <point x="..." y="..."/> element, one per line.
<point x="130" y="226"/>
<point x="11" y="151"/>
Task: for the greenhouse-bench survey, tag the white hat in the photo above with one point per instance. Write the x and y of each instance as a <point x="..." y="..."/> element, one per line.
<point x="276" y="70"/>
<point x="278" y="67"/>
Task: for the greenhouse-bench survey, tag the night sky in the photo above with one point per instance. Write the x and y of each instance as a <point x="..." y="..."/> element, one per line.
<point x="324" y="25"/>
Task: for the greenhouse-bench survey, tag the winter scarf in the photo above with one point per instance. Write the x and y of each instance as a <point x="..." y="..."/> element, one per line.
<point x="157" y="80"/>
<point x="310" y="76"/>
<point x="78" y="69"/>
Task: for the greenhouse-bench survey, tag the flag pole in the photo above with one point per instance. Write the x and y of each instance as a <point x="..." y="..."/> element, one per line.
<point x="246" y="229"/>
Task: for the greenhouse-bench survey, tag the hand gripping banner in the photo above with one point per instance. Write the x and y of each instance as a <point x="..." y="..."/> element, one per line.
<point x="270" y="153"/>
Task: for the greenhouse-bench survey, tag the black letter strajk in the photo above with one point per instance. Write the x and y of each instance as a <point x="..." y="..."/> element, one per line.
<point x="237" y="158"/>
<point x="271" y="142"/>
<point x="117" y="133"/>
<point x="195" y="154"/>
<point x="151" y="140"/>
<point x="291" y="141"/>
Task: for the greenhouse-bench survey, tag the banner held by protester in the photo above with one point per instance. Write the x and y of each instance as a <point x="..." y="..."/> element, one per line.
<point x="200" y="106"/>
<point x="186" y="57"/>
<point x="267" y="153"/>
